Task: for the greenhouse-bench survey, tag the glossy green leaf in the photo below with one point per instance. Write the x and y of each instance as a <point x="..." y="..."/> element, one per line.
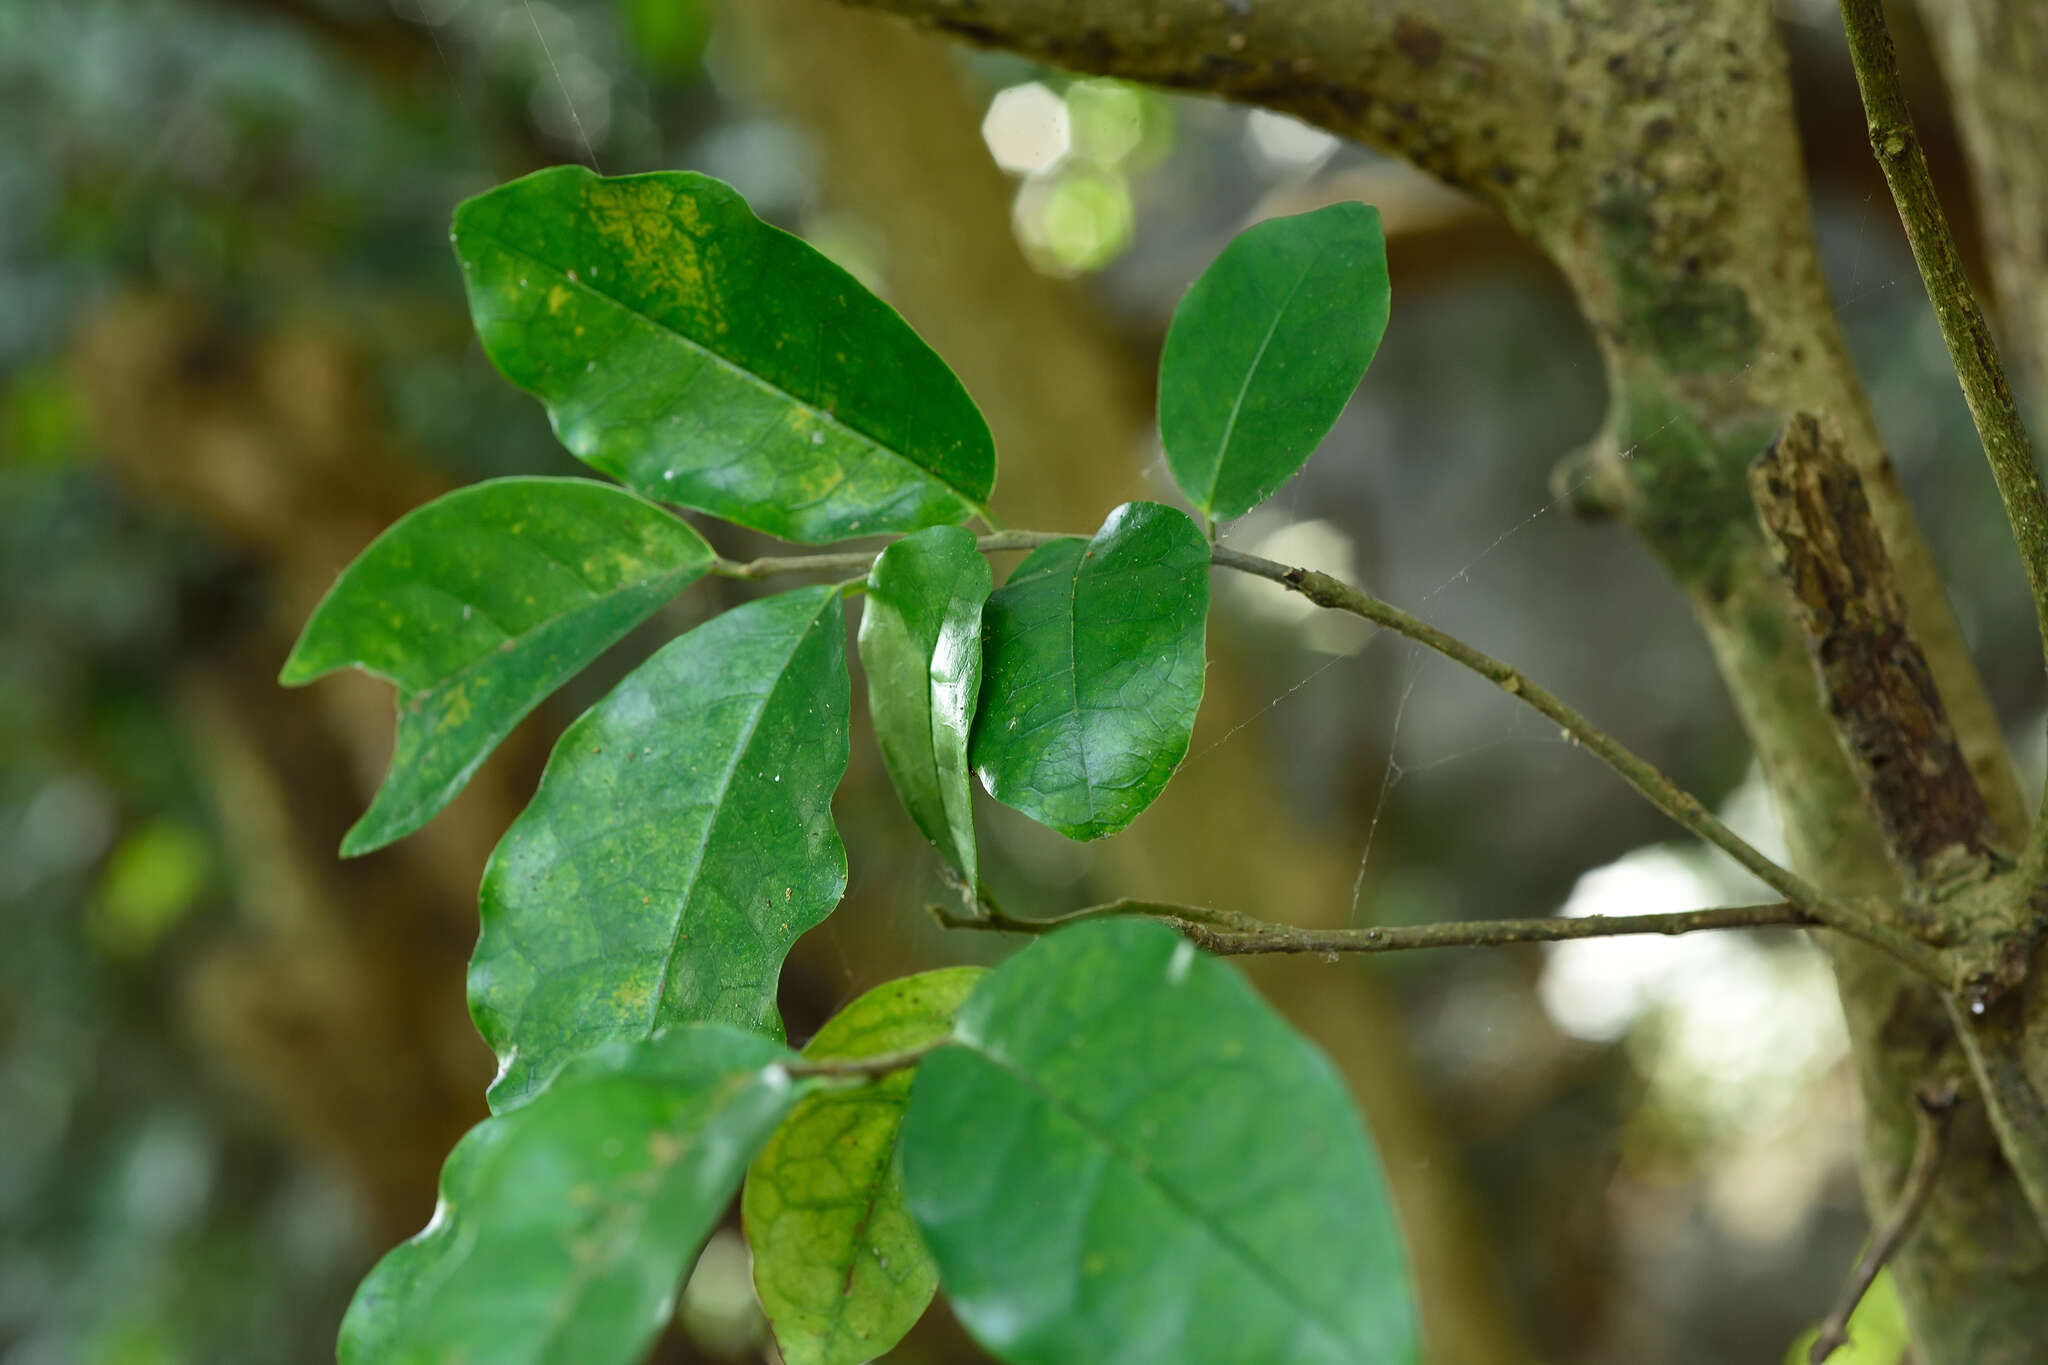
<point x="478" y="606"/>
<point x="1264" y="351"/>
<point x="838" y="1263"/>
<point x="1128" y="1156"/>
<point x="680" y="842"/>
<point x="920" y="642"/>
<point x="708" y="359"/>
<point x="564" y="1229"/>
<point x="1092" y="671"/>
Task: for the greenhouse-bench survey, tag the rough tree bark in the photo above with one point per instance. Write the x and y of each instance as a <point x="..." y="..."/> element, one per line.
<point x="1650" y="151"/>
<point x="899" y="148"/>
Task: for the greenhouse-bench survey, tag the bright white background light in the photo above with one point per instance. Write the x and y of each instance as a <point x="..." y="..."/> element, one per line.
<point x="1027" y="129"/>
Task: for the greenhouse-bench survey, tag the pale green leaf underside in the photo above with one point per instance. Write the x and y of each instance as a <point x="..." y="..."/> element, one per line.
<point x="1092" y="671"/>
<point x="920" y="643"/>
<point x="681" y="841"/>
<point x="838" y="1264"/>
<point x="708" y="359"/>
<point x="1129" y="1157"/>
<point x="480" y="605"/>
<point x="564" y="1228"/>
<point x="1264" y="352"/>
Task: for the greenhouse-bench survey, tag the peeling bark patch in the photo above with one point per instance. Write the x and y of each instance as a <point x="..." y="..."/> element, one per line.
<point x="1873" y="676"/>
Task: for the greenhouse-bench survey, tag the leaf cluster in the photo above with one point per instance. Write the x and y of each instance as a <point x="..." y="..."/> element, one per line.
<point x="1108" y="1148"/>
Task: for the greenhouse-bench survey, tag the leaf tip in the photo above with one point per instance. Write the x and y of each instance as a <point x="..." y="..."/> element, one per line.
<point x="299" y="669"/>
<point x="369" y="834"/>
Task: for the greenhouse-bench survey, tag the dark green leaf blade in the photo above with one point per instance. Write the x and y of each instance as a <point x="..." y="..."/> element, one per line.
<point x="920" y="641"/>
<point x="1092" y="671"/>
<point x="838" y="1264"/>
<point x="478" y="606"/>
<point x="563" y="1228"/>
<point x="680" y="842"/>
<point x="1128" y="1156"/>
<point x="708" y="359"/>
<point x="1264" y="351"/>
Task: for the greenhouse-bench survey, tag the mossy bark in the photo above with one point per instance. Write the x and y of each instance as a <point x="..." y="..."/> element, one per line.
<point x="1649" y="148"/>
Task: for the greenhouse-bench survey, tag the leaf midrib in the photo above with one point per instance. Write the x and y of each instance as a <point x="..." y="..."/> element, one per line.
<point x="546" y="623"/>
<point x="1245" y="387"/>
<point x="740" y="749"/>
<point x="718" y="1100"/>
<point x="1074" y="680"/>
<point x="874" y="445"/>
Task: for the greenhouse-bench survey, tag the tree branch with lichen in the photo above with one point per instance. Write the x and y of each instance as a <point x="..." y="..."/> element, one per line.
<point x="1978" y="368"/>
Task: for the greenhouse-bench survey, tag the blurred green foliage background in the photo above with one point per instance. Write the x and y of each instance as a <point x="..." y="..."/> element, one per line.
<point x="233" y="346"/>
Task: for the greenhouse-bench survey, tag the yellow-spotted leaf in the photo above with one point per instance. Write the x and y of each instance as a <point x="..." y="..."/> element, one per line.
<point x="564" y="1229"/>
<point x="478" y="606"/>
<point x="681" y="841"/>
<point x="838" y="1264"/>
<point x="701" y="356"/>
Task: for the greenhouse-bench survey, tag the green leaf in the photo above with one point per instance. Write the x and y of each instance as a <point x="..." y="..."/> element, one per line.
<point x="920" y="641"/>
<point x="478" y="606"/>
<point x="708" y="359"/>
<point x="1264" y="351"/>
<point x="838" y="1263"/>
<point x="1127" y="1156"/>
<point x="680" y="842"/>
<point x="1092" y="671"/>
<point x="564" y="1228"/>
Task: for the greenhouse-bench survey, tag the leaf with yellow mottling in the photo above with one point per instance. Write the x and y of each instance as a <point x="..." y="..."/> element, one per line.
<point x="478" y="606"/>
<point x="838" y="1264"/>
<point x="708" y="359"/>
<point x="680" y="842"/>
<point x="563" y="1229"/>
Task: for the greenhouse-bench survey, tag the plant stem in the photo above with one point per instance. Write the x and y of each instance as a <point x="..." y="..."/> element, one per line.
<point x="1655" y="787"/>
<point x="1325" y="591"/>
<point x="1932" y="1109"/>
<point x="1970" y="347"/>
<point x="1229" y="934"/>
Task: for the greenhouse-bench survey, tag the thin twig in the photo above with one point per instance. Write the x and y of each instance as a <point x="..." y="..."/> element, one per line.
<point x="1638" y="772"/>
<point x="1859" y="921"/>
<point x="1970" y="347"/>
<point x="881" y="1064"/>
<point x="1931" y="1108"/>
<point x="1228" y="934"/>
<point x="769" y="566"/>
